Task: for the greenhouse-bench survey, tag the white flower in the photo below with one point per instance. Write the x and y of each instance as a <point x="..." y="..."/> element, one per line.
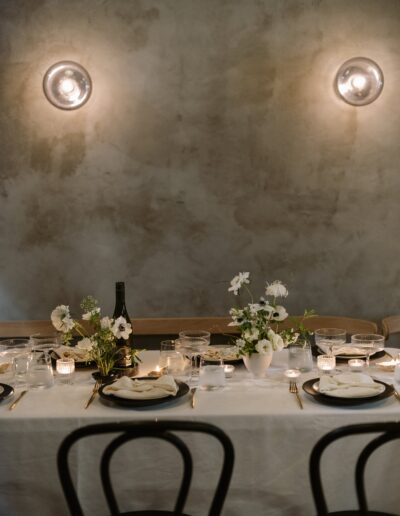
<point x="105" y="323"/>
<point x="238" y="281"/>
<point x="276" y="340"/>
<point x="61" y="319"/>
<point x="121" y="329"/>
<point x="254" y="308"/>
<point x="279" y="313"/>
<point x="85" y="344"/>
<point x="263" y="346"/>
<point x="87" y="315"/>
<point x="276" y="289"/>
<point x="251" y="334"/>
<point x="240" y="343"/>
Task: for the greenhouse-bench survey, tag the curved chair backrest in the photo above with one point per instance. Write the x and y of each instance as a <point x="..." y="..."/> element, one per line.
<point x="390" y="325"/>
<point x="387" y="432"/>
<point x="132" y="430"/>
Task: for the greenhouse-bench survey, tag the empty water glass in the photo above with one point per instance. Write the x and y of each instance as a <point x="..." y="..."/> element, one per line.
<point x="300" y="356"/>
<point x="327" y="339"/>
<point x="211" y="377"/>
<point x="40" y="373"/>
<point x="21" y="365"/>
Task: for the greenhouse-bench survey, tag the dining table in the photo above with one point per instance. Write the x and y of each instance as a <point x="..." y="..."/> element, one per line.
<point x="272" y="438"/>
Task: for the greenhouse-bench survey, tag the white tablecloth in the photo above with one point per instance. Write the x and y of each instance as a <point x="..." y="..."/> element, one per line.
<point x="272" y="437"/>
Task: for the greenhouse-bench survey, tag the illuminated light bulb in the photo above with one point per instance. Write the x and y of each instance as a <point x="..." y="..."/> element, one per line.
<point x="359" y="81"/>
<point x="67" y="85"/>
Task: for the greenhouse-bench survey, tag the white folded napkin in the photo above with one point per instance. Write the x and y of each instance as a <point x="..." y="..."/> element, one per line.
<point x="130" y="388"/>
<point x="349" y="385"/>
<point x="79" y="355"/>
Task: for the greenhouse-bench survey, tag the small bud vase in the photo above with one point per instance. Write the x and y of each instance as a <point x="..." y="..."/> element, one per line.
<point x="258" y="363"/>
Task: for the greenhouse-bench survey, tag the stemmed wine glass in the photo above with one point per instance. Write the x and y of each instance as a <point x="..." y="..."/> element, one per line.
<point x="329" y="338"/>
<point x="368" y="342"/>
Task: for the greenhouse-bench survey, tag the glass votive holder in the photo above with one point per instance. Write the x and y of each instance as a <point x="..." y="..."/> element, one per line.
<point x="397" y="370"/>
<point x="356" y="365"/>
<point x="229" y="370"/>
<point x="326" y="363"/>
<point x="211" y="377"/>
<point x="65" y="368"/>
<point x="292" y="374"/>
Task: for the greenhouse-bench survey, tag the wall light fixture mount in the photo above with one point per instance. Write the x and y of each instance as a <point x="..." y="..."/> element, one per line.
<point x="67" y="85"/>
<point x="359" y="81"/>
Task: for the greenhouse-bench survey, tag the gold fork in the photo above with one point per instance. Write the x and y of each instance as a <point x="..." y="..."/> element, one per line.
<point x="95" y="389"/>
<point x="294" y="390"/>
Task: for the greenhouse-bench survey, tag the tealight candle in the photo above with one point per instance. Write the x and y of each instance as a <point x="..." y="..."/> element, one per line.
<point x="229" y="370"/>
<point x="65" y="368"/>
<point x="356" y="364"/>
<point x="326" y="363"/>
<point x="292" y="374"/>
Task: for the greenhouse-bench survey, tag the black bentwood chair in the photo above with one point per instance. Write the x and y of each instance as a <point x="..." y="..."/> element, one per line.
<point x="131" y="430"/>
<point x="388" y="432"/>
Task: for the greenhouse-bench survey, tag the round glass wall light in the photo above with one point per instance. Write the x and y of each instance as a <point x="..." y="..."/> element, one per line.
<point x="67" y="85"/>
<point x="359" y="81"/>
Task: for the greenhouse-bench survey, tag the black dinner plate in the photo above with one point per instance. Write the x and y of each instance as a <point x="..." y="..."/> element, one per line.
<point x="183" y="389"/>
<point x="6" y="391"/>
<point x="308" y="387"/>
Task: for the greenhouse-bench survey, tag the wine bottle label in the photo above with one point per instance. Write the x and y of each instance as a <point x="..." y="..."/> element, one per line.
<point x="124" y="357"/>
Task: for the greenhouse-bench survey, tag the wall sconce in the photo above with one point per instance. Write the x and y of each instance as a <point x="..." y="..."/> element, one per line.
<point x="359" y="81"/>
<point x="67" y="85"/>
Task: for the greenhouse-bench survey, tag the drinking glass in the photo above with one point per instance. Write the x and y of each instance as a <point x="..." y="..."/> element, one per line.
<point x="192" y="347"/>
<point x="21" y="365"/>
<point x="167" y="349"/>
<point x="300" y="356"/>
<point x="40" y="373"/>
<point x="195" y="334"/>
<point x="10" y="349"/>
<point x="329" y="338"/>
<point x="211" y="377"/>
<point x="369" y="342"/>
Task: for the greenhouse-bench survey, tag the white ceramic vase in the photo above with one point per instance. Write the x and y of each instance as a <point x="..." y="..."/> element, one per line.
<point x="258" y="363"/>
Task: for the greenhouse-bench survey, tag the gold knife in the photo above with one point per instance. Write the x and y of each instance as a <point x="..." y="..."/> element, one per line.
<point x="95" y="389"/>
<point x="192" y="401"/>
<point x="13" y="405"/>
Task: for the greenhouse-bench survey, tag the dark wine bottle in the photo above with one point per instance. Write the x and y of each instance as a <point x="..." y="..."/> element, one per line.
<point x="125" y="354"/>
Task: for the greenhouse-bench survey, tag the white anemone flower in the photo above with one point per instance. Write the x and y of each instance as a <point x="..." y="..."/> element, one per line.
<point x="238" y="281"/>
<point x="85" y="344"/>
<point x="255" y="307"/>
<point x="251" y="335"/>
<point x="276" y="340"/>
<point x="279" y="313"/>
<point x="87" y="315"/>
<point x="276" y="289"/>
<point x="121" y="329"/>
<point x="105" y="323"/>
<point x="61" y="319"/>
<point x="263" y="346"/>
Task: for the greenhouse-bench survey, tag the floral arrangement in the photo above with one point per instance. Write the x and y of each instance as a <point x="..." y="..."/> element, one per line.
<point x="101" y="345"/>
<point x="255" y="320"/>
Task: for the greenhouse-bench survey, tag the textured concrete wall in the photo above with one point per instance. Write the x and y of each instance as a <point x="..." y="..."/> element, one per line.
<point x="213" y="143"/>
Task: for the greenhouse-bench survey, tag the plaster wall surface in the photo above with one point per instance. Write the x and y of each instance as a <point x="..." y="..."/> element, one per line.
<point x="213" y="143"/>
